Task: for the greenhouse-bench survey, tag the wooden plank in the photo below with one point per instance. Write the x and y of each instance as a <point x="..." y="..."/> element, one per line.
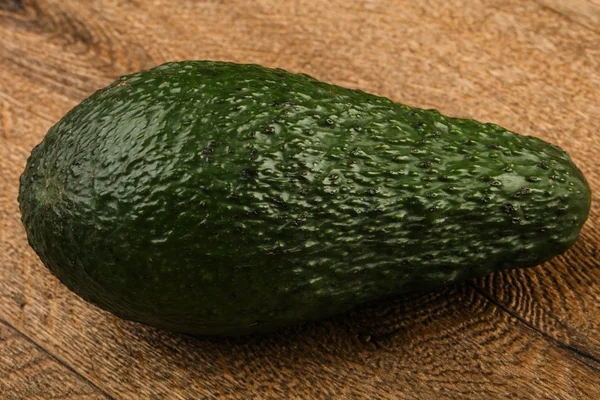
<point x="29" y="372"/>
<point x="518" y="334"/>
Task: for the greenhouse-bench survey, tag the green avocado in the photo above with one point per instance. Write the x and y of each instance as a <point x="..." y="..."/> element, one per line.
<point x="224" y="199"/>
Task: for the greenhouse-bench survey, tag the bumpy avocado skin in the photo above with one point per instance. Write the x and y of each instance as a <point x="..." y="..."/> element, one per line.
<point x="218" y="198"/>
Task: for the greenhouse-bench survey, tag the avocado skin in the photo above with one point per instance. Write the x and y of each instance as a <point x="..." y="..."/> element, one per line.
<point x="224" y="199"/>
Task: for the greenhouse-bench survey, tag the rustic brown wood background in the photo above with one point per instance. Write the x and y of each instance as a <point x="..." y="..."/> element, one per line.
<point x="532" y="66"/>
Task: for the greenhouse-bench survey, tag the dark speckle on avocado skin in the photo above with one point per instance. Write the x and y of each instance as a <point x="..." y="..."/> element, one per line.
<point x="216" y="198"/>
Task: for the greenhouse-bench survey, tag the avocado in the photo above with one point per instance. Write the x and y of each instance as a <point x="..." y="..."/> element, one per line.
<point x="224" y="199"/>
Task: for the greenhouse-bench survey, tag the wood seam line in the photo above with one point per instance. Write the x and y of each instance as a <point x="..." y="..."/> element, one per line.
<point x="565" y="16"/>
<point x="579" y="352"/>
<point x="57" y="359"/>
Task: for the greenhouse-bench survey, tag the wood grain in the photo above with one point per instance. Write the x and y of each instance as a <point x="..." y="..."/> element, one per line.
<point x="530" y="66"/>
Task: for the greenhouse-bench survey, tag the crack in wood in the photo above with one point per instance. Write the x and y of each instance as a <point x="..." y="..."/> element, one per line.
<point x="586" y="356"/>
<point x="57" y="359"/>
<point x="584" y="13"/>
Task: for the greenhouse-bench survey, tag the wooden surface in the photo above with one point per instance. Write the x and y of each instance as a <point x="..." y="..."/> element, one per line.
<point x="531" y="66"/>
